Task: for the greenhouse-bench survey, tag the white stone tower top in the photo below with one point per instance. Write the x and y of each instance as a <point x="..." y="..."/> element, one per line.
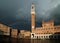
<point x="33" y="9"/>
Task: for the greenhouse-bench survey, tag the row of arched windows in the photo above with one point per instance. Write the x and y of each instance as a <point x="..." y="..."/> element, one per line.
<point x="45" y="33"/>
<point x="47" y="37"/>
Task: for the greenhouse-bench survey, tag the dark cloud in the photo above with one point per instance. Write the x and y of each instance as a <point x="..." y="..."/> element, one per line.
<point x="55" y="14"/>
<point x="16" y="13"/>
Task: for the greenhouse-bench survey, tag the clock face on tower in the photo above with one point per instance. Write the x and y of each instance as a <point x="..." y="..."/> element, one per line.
<point x="32" y="26"/>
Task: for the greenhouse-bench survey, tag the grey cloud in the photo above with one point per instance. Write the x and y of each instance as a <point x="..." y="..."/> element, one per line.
<point x="16" y="12"/>
<point x="55" y="14"/>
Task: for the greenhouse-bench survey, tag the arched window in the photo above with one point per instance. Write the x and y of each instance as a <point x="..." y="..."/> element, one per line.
<point x="55" y="37"/>
<point x="49" y="36"/>
<point x="41" y="36"/>
<point x="37" y="37"/>
<point x="33" y="35"/>
<point x="46" y="36"/>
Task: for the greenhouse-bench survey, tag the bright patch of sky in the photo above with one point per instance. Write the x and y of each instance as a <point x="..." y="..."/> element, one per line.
<point x="45" y="6"/>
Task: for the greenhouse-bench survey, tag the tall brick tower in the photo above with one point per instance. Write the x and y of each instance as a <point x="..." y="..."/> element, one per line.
<point x="32" y="17"/>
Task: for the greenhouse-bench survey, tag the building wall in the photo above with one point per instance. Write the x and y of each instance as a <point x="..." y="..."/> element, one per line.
<point x="47" y="24"/>
<point x="48" y="27"/>
<point x="46" y="31"/>
<point x="27" y="33"/>
<point x="14" y="33"/>
<point x="57" y="28"/>
<point x="24" y="33"/>
<point x="5" y="29"/>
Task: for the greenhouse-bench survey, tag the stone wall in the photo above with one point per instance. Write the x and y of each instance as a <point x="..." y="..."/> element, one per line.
<point x="5" y="29"/>
<point x="14" y="33"/>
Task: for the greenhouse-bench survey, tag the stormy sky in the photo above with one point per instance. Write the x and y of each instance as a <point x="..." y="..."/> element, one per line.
<point x="16" y="13"/>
